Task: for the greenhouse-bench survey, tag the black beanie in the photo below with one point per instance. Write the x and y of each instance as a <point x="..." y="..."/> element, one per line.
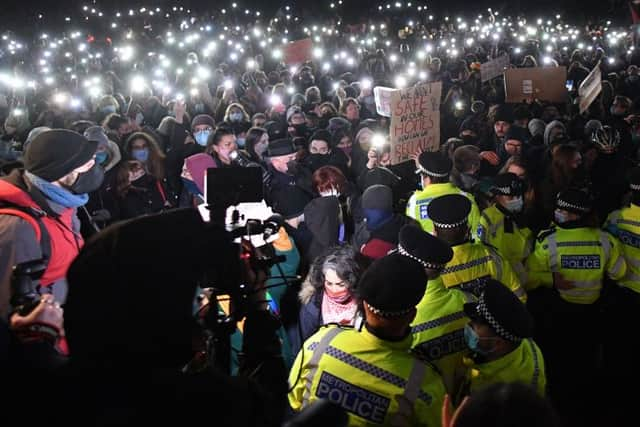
<point x="57" y="152"/>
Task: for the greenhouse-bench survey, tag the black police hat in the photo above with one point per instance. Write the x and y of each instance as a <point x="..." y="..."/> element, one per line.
<point x="575" y="201"/>
<point x="387" y="296"/>
<point x="280" y="147"/>
<point x="449" y="211"/>
<point x="501" y="309"/>
<point x="434" y="164"/>
<point x="507" y="184"/>
<point x="424" y="248"/>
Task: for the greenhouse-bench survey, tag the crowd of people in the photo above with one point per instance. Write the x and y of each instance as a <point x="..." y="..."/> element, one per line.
<point x="491" y="281"/>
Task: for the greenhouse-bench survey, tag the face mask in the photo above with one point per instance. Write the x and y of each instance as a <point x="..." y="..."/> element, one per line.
<point x="514" y="205"/>
<point x="339" y="297"/>
<point x="235" y="117"/>
<point x="469" y="139"/>
<point x="202" y="137"/>
<point x="139" y="119"/>
<point x="101" y="157"/>
<point x="141" y="155"/>
<point x="240" y="142"/>
<point x="300" y="129"/>
<point x="109" y="109"/>
<point x="560" y="217"/>
<point x="468" y="181"/>
<point x="472" y="340"/>
<point x="88" y="181"/>
<point x="292" y="167"/>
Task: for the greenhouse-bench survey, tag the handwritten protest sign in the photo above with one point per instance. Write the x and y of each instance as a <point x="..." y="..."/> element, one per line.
<point x="382" y="96"/>
<point x="297" y="52"/>
<point x="494" y="68"/>
<point x="542" y="83"/>
<point x="590" y="88"/>
<point x="415" y="120"/>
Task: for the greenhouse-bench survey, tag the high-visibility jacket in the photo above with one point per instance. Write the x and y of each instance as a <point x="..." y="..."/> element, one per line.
<point x="582" y="255"/>
<point x="512" y="242"/>
<point x="525" y="364"/>
<point x="625" y="225"/>
<point x="377" y="382"/>
<point x="438" y="330"/>
<point x="417" y="205"/>
<point x="474" y="262"/>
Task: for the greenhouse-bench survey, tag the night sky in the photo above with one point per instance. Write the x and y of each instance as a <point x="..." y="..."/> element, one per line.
<point x="15" y="13"/>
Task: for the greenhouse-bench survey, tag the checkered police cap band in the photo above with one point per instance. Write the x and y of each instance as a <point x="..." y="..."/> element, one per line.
<point x="564" y="204"/>
<point x="506" y="191"/>
<point x="635" y="187"/>
<point x="483" y="311"/>
<point x="426" y="264"/>
<point x="457" y="224"/>
<point x="383" y="313"/>
<point x="422" y="170"/>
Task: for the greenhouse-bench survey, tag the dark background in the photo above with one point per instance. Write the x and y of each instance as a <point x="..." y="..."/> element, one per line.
<point x="20" y="15"/>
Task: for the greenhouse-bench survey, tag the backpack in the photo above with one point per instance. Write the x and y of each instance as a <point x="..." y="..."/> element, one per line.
<point x="34" y="217"/>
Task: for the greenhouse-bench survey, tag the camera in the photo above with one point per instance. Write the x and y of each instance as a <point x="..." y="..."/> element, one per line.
<point x="25" y="280"/>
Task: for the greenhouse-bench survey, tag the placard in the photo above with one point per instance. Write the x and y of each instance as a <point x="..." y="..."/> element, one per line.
<point x="297" y="52"/>
<point x="494" y="68"/>
<point x="382" y="96"/>
<point x="542" y="83"/>
<point x="590" y="88"/>
<point x="415" y="121"/>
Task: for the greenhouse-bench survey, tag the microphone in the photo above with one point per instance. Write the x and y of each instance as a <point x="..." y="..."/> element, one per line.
<point x="272" y="225"/>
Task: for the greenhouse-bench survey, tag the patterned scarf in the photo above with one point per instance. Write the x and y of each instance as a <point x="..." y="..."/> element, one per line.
<point x="334" y="311"/>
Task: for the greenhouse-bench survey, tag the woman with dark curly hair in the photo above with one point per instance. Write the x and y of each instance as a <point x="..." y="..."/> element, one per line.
<point x="328" y="293"/>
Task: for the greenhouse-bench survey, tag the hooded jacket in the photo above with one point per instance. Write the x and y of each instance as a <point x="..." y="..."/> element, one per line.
<point x="322" y="217"/>
<point x="552" y="125"/>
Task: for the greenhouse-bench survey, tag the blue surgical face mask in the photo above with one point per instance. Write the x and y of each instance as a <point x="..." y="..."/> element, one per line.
<point x="235" y="117"/>
<point x="202" y="137"/>
<point x="101" y="157"/>
<point x="514" y="205"/>
<point x="472" y="339"/>
<point x="240" y="142"/>
<point x="560" y="217"/>
<point x="141" y="154"/>
<point x="109" y="109"/>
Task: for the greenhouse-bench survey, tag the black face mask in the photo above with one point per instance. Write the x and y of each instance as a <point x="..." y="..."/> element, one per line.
<point x="300" y="129"/>
<point x="88" y="181"/>
<point x="469" y="139"/>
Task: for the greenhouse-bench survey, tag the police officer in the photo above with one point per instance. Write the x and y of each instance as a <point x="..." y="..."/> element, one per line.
<point x="438" y="328"/>
<point x="502" y="225"/>
<point x="499" y="337"/>
<point x="370" y="372"/>
<point x="434" y="169"/>
<point x="572" y="257"/>
<point x="625" y="225"/>
<point x="473" y="262"/>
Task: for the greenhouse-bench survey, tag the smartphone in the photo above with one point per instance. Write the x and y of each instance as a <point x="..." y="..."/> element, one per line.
<point x="569" y="85"/>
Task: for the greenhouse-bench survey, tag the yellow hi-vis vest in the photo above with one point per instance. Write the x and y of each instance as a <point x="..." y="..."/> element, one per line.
<point x="625" y="225"/>
<point x="438" y="330"/>
<point x="514" y="245"/>
<point x="525" y="364"/>
<point x="377" y="382"/>
<point x="582" y="255"/>
<point x="417" y="205"/>
<point x="472" y="263"/>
